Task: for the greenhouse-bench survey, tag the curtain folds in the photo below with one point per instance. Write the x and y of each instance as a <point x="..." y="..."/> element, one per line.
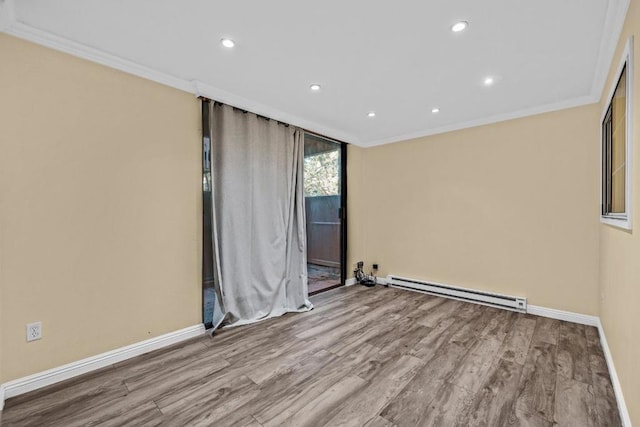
<point x="258" y="216"/>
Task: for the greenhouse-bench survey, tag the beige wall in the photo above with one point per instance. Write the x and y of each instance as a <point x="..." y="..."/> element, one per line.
<point x="100" y="212"/>
<point x="100" y="208"/>
<point x="620" y="250"/>
<point x="509" y="207"/>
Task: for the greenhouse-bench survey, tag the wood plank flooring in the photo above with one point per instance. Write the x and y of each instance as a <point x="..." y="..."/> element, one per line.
<point x="362" y="357"/>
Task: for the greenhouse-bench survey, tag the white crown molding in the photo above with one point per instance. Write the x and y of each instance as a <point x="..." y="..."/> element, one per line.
<point x="80" y="50"/>
<point x="80" y="367"/>
<point x="614" y="21"/>
<point x="45" y="38"/>
<point x="562" y="105"/>
<point x="611" y="31"/>
<point x="615" y="381"/>
<point x="612" y="28"/>
<point x="208" y="91"/>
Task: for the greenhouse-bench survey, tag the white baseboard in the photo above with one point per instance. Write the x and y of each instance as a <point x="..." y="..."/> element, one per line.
<point x="65" y="372"/>
<point x="568" y="316"/>
<point x="71" y="370"/>
<point x="615" y="381"/>
<point x="353" y="281"/>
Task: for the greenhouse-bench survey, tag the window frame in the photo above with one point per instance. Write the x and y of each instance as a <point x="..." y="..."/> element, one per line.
<point x="621" y="220"/>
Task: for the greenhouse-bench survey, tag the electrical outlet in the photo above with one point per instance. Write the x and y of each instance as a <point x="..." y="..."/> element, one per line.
<point x="34" y="331"/>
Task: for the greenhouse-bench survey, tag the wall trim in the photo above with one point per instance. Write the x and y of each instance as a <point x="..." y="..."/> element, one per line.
<point x="89" y="364"/>
<point x="207" y="91"/>
<point x="614" y="21"/>
<point x="47" y="39"/>
<point x="527" y="112"/>
<point x="71" y="370"/>
<point x="568" y="316"/>
<point x="615" y="381"/>
<point x="352" y="281"/>
<point x="612" y="29"/>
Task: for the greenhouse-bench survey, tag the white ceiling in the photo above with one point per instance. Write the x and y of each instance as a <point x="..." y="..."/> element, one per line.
<point x="397" y="58"/>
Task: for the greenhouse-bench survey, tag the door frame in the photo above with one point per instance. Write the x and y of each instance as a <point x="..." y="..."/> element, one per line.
<point x="343" y="212"/>
<point x="343" y="209"/>
<point x="207" y="244"/>
<point x="206" y="164"/>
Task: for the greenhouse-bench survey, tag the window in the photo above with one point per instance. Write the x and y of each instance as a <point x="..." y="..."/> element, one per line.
<point x="616" y="148"/>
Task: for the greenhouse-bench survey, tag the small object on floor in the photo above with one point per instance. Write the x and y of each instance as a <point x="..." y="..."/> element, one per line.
<point x="368" y="282"/>
<point x="362" y="278"/>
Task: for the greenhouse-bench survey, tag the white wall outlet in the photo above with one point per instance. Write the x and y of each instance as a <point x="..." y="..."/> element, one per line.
<point x="34" y="331"/>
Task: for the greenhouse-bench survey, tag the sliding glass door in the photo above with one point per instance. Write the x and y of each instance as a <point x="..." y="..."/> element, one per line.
<point x="325" y="198"/>
<point x="324" y="187"/>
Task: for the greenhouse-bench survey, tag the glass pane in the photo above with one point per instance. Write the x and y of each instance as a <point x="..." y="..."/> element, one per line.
<point x="322" y="208"/>
<point x="618" y="191"/>
<point x="322" y="174"/>
<point x="618" y="145"/>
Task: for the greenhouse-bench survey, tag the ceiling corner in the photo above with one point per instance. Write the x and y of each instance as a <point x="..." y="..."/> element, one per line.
<point x="281" y="88"/>
<point x="611" y="31"/>
<point x="542" y="109"/>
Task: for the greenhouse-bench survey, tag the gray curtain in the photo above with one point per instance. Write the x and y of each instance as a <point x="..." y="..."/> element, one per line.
<point x="258" y="215"/>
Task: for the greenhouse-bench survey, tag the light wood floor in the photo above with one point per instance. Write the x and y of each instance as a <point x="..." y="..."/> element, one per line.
<point x="374" y="357"/>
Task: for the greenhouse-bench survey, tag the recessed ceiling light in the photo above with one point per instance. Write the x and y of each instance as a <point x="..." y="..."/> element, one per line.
<point x="315" y="87"/>
<point x="488" y="81"/>
<point x="371" y="114"/>
<point x="228" y="43"/>
<point x="459" y="26"/>
<point x="435" y="110"/>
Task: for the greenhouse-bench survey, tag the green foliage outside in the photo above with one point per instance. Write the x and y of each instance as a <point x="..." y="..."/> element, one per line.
<point x="321" y="174"/>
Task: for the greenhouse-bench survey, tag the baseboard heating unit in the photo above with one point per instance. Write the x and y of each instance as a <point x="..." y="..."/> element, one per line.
<point x="470" y="295"/>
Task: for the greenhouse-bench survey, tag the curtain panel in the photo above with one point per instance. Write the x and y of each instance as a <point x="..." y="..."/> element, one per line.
<point x="258" y="216"/>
